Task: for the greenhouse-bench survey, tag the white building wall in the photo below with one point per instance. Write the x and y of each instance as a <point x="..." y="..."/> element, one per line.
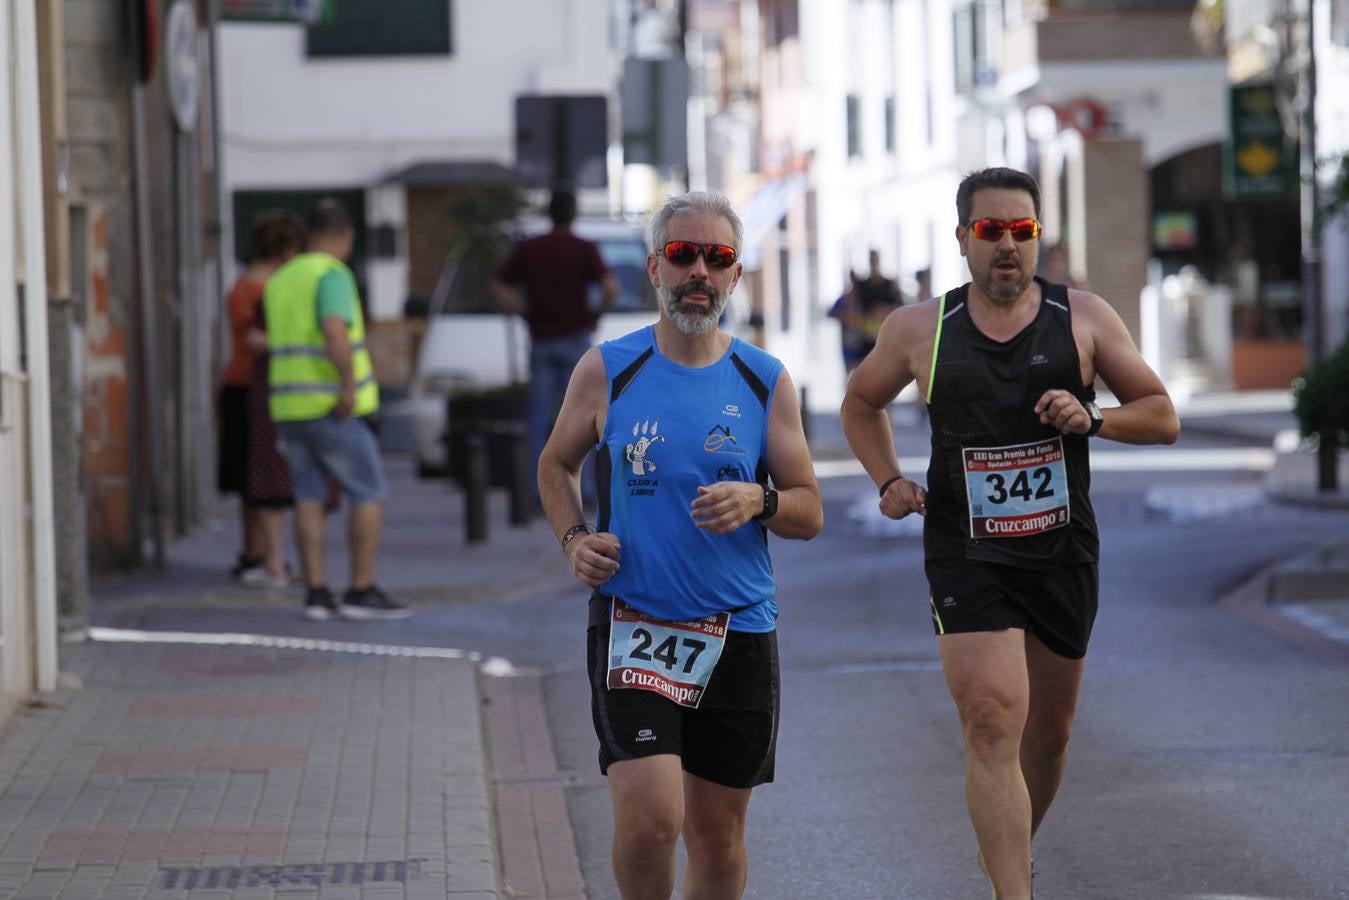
<point x="1173" y="106"/>
<point x="1332" y="136"/>
<point x="901" y="202"/>
<point x="291" y="121"/>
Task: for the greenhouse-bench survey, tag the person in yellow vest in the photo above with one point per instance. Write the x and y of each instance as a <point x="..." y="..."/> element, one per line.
<point x="321" y="385"/>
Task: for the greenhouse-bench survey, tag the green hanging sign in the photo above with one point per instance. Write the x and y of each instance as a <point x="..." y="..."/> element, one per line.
<point x="1259" y="162"/>
<point x="309" y="12"/>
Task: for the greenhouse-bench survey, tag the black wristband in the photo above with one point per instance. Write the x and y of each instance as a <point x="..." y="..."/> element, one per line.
<point x="573" y="531"/>
<point x="889" y="481"/>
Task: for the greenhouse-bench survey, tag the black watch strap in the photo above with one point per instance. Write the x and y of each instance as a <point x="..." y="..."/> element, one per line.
<point x="770" y="503"/>
<point x="1097" y="420"/>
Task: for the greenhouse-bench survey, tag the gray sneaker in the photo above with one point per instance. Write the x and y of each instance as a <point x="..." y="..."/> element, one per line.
<point x="372" y="603"/>
<point x="319" y="604"/>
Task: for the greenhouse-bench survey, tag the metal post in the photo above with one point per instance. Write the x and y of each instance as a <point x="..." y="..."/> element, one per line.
<point x="1313" y="312"/>
<point x="520" y="481"/>
<point x="475" y="487"/>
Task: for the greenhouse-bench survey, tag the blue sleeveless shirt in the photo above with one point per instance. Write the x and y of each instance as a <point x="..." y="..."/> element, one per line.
<point x="670" y="429"/>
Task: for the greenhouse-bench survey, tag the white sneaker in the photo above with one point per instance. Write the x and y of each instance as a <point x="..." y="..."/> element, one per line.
<point x="260" y="578"/>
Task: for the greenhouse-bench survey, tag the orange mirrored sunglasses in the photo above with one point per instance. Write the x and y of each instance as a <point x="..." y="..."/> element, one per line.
<point x="683" y="253"/>
<point x="994" y="229"/>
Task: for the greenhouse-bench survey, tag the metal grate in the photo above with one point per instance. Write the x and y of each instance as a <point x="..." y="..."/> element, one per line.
<point x="311" y="874"/>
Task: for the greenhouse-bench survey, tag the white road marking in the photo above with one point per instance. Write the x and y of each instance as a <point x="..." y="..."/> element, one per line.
<point x="1147" y="459"/>
<point x="1307" y="615"/>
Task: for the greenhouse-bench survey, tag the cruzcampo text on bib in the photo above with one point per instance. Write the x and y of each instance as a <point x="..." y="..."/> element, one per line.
<point x="1016" y="490"/>
<point x="673" y="659"/>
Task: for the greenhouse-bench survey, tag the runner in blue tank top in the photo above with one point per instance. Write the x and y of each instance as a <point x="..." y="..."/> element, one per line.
<point x="1006" y="364"/>
<point x="699" y="454"/>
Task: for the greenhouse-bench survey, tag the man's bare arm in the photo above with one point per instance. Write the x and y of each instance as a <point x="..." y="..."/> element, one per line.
<point x="1146" y="414"/>
<point x="339" y="351"/>
<point x="593" y="557"/>
<point x="507" y="297"/>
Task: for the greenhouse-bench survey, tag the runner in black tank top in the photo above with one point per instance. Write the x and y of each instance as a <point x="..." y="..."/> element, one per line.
<point x="982" y="394"/>
<point x="1010" y="538"/>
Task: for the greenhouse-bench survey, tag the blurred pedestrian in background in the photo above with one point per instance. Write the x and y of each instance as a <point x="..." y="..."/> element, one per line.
<point x="846" y="312"/>
<point x="242" y="431"/>
<point x="554" y="271"/>
<point x="875" y="298"/>
<point x="322" y="387"/>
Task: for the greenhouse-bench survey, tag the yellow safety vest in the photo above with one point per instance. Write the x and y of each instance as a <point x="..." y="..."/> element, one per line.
<point x="304" y="382"/>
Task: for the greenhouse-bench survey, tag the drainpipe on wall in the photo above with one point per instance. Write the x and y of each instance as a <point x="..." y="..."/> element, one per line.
<point x="41" y="523"/>
<point x="146" y="467"/>
<point x="15" y="673"/>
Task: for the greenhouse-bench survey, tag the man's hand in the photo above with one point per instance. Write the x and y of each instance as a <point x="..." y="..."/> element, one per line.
<point x="593" y="557"/>
<point x="903" y="497"/>
<point x="1063" y="411"/>
<point x="346" y="401"/>
<point x="723" y="507"/>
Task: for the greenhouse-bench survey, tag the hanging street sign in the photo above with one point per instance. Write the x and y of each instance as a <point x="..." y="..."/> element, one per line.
<point x="1258" y="159"/>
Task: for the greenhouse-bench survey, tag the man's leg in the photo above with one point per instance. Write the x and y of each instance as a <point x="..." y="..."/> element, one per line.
<point x="1054" y="683"/>
<point x="364" y="522"/>
<point x="714" y="835"/>
<point x="986" y="674"/>
<point x="648" y="796"/>
<point x="309" y="532"/>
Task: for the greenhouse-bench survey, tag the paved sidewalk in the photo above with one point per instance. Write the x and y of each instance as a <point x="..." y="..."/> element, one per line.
<point x="248" y="772"/>
<point x="333" y="760"/>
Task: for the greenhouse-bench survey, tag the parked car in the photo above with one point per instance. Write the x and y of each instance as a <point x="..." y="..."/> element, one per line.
<point x="470" y="348"/>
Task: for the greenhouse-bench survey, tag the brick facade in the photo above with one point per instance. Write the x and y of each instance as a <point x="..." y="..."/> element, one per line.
<point x="1118" y="211"/>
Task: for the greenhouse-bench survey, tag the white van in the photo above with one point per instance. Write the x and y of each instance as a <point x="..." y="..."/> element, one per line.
<point x="470" y="346"/>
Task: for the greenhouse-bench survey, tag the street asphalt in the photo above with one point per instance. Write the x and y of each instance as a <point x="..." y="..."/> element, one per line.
<point x="209" y="741"/>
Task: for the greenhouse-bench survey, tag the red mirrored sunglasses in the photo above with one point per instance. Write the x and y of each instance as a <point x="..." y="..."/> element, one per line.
<point x="994" y="229"/>
<point x="684" y="253"/>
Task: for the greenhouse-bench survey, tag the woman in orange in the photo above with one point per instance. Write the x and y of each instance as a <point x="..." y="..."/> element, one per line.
<point x="264" y="495"/>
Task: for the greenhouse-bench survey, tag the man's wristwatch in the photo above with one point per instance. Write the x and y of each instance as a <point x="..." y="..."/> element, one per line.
<point x="1097" y="420"/>
<point x="770" y="503"/>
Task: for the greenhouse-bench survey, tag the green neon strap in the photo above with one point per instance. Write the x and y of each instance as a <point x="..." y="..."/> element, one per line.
<point x="936" y="343"/>
<point x="941" y="629"/>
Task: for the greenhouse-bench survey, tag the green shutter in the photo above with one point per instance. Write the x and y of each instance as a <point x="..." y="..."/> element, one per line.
<point x="383" y="28"/>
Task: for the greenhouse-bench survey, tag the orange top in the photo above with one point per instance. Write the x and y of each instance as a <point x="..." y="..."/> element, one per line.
<point x="243" y="308"/>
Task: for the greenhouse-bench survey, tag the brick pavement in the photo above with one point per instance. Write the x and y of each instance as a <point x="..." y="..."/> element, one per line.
<point x="248" y="772"/>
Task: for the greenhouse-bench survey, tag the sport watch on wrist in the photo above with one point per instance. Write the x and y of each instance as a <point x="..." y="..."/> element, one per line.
<point x="770" y="503"/>
<point x="1097" y="420"/>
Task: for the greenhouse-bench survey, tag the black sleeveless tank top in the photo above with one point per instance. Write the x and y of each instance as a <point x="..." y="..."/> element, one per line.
<point x="996" y="479"/>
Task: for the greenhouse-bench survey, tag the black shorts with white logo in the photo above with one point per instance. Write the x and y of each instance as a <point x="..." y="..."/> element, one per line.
<point x="1057" y="606"/>
<point x="730" y="739"/>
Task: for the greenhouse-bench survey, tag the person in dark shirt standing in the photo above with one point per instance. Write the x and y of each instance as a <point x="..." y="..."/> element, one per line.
<point x="555" y="271"/>
<point x="874" y="298"/>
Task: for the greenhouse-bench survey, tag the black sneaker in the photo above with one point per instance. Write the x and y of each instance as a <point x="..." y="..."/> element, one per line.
<point x="372" y="603"/>
<point x="319" y="604"/>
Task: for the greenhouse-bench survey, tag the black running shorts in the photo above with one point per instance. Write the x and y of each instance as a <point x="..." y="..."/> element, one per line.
<point x="730" y="739"/>
<point x="1058" y="606"/>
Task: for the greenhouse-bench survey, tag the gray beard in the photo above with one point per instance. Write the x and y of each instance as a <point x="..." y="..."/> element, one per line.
<point x="696" y="322"/>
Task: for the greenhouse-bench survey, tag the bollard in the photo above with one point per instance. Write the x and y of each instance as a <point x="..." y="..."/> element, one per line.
<point x="522" y="497"/>
<point x="475" y="488"/>
<point x="805" y="415"/>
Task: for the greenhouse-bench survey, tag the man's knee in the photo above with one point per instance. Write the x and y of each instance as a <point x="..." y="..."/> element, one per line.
<point x="713" y="842"/>
<point x="1047" y="737"/>
<point x="649" y="829"/>
<point x="993" y="724"/>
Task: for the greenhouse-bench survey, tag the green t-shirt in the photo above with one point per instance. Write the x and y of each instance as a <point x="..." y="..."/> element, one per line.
<point x="336" y="298"/>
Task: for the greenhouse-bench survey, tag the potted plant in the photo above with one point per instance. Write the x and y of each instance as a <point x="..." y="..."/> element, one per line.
<point x="1321" y="404"/>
